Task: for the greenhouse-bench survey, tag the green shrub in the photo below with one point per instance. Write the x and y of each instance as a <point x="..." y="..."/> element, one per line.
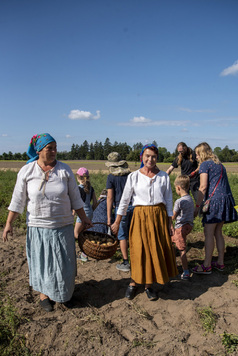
<point x="230" y="342"/>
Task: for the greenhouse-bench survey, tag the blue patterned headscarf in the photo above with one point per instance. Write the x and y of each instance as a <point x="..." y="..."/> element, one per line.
<point x="37" y="143"/>
<point x="149" y="145"/>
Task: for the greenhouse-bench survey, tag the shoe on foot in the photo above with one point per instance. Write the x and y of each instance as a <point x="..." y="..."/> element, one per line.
<point x="218" y="267"/>
<point x="185" y="276"/>
<point x="69" y="304"/>
<point x="46" y="305"/>
<point x="82" y="257"/>
<point x="204" y="270"/>
<point x="151" y="294"/>
<point x="130" y="292"/>
<point x="124" y="267"/>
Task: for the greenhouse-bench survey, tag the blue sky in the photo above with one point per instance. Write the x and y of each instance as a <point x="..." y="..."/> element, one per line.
<point x="131" y="70"/>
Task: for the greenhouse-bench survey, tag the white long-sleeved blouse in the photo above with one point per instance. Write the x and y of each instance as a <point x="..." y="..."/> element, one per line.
<point x="147" y="191"/>
<point x="49" y="203"/>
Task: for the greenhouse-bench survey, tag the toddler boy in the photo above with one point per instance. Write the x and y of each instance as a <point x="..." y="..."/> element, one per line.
<point x="183" y="214"/>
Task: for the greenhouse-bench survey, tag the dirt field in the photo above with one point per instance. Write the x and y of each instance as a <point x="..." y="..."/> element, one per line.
<point x="103" y="322"/>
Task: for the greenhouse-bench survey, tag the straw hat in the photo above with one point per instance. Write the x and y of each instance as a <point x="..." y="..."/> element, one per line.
<point x="116" y="166"/>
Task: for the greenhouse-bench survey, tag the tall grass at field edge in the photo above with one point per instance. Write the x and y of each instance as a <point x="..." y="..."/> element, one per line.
<point x="98" y="181"/>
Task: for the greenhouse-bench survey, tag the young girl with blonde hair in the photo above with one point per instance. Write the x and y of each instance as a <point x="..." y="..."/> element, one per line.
<point x="87" y="194"/>
<point x="214" y="185"/>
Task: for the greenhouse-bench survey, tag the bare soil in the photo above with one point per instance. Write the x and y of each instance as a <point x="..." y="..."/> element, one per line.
<point x="103" y="322"/>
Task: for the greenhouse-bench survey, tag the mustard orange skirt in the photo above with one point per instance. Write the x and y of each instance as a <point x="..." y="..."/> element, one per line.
<point x="151" y="251"/>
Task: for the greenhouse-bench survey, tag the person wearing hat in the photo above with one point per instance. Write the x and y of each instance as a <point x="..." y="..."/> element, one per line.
<point x="116" y="180"/>
<point x="49" y="190"/>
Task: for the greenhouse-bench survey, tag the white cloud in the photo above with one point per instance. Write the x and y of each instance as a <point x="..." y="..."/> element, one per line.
<point x="83" y="115"/>
<point x="141" y="121"/>
<point x="232" y="70"/>
<point x="67" y="136"/>
<point x="4" y="135"/>
<point x="196" y="110"/>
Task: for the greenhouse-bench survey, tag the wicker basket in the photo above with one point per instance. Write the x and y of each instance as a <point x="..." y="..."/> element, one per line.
<point x="99" y="252"/>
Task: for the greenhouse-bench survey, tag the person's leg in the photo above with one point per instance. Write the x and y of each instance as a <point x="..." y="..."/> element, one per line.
<point x="205" y="268"/>
<point x="77" y="230"/>
<point x="220" y="243"/>
<point x="185" y="230"/>
<point x="209" y="231"/>
<point x="122" y="237"/>
<point x="184" y="260"/>
<point x="124" y="249"/>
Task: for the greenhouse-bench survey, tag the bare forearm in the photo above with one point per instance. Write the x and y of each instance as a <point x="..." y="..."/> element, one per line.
<point x="81" y="213"/>
<point x="169" y="170"/>
<point x="8" y="228"/>
<point x="12" y="215"/>
<point x="110" y="198"/>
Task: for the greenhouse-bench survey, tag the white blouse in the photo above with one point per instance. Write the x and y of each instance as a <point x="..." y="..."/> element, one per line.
<point x="49" y="203"/>
<point x="147" y="191"/>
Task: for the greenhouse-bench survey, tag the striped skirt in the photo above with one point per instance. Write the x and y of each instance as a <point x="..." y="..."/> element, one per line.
<point x="151" y="251"/>
<point x="52" y="261"/>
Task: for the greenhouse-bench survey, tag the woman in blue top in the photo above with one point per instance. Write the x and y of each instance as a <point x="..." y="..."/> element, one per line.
<point x="213" y="183"/>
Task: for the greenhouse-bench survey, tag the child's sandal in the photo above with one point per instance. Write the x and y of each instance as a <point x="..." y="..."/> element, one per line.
<point x="205" y="270"/>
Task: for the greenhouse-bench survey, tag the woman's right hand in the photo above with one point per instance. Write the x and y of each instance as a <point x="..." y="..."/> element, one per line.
<point x="8" y="230"/>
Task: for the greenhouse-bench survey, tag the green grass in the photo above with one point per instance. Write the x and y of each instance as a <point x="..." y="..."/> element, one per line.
<point x="98" y="181"/>
<point x="230" y="342"/>
<point x="235" y="282"/>
<point x="11" y="343"/>
<point x="208" y="319"/>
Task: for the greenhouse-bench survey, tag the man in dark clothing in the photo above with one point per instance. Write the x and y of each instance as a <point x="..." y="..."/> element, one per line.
<point x="116" y="181"/>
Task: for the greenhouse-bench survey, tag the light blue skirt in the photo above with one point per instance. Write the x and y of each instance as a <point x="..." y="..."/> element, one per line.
<point x="51" y="259"/>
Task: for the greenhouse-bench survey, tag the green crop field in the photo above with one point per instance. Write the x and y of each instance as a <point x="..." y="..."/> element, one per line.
<point x="98" y="181"/>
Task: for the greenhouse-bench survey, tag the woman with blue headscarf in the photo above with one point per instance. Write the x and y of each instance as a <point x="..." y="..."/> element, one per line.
<point x="151" y="252"/>
<point x="49" y="190"/>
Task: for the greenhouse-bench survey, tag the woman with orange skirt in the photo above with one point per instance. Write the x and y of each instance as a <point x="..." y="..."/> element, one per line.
<point x="151" y="252"/>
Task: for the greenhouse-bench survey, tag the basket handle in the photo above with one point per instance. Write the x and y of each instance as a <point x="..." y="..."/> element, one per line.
<point x="100" y="223"/>
<point x="108" y="227"/>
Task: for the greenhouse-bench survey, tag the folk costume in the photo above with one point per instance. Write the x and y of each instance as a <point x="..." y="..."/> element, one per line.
<point x="151" y="252"/>
<point x="50" y="243"/>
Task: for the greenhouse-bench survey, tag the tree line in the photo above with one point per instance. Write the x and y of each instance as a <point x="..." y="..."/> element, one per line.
<point x="100" y="151"/>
